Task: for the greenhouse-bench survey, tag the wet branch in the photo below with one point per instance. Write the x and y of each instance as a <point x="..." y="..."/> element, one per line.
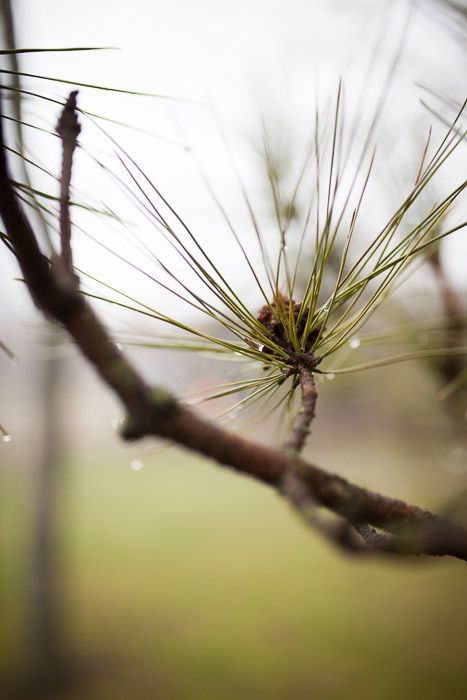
<point x="153" y="411"/>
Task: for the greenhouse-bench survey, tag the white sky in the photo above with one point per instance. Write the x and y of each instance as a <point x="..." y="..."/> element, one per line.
<point x="237" y="62"/>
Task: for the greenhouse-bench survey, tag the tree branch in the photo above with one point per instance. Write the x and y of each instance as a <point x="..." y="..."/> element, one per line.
<point x="156" y="412"/>
<point x="450" y="367"/>
<point x="307" y="412"/>
<point x="68" y="128"/>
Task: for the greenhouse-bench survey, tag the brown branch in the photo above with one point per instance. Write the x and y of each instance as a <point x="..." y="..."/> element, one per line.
<point x="156" y="412"/>
<point x="68" y="128"/>
<point x="450" y="367"/>
<point x="451" y="370"/>
<point x="307" y="412"/>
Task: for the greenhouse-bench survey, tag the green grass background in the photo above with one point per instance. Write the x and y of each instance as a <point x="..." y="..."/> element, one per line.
<point x="188" y="581"/>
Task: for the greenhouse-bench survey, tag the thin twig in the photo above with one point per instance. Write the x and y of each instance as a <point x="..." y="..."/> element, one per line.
<point x="301" y="428"/>
<point x="450" y="367"/>
<point x="68" y="128"/>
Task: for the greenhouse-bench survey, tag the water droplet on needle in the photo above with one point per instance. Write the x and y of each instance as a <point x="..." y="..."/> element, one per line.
<point x="6" y="437"/>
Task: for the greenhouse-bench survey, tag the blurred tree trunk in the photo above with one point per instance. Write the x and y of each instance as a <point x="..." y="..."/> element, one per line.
<point x="45" y="664"/>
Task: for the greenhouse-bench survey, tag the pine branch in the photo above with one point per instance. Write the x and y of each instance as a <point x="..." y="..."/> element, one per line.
<point x="307" y="411"/>
<point x="410" y="530"/>
<point x="68" y="128"/>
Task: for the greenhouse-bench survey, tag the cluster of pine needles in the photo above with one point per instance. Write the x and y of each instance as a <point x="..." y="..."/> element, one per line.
<point x="318" y="284"/>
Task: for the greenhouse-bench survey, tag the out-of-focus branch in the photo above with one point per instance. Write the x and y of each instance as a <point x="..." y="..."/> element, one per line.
<point x="450" y="367"/>
<point x="156" y="412"/>
<point x="8" y="25"/>
<point x="48" y="658"/>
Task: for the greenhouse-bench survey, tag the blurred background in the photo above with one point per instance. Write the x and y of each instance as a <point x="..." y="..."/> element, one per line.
<point x="143" y="569"/>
